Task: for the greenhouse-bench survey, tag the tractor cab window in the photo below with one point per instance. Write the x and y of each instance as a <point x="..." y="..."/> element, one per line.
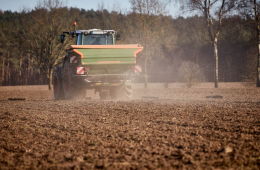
<point x="98" y="39"/>
<point x="79" y="39"/>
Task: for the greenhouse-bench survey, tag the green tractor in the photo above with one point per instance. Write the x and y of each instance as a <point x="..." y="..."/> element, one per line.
<point x="95" y="62"/>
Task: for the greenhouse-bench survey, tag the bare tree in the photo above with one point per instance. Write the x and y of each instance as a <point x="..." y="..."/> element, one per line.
<point x="213" y="12"/>
<point x="42" y="39"/>
<point x="190" y="74"/>
<point x="103" y="11"/>
<point x="251" y="9"/>
<point x="147" y="14"/>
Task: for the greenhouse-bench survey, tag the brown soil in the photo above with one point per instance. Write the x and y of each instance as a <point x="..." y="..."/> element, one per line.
<point x="183" y="129"/>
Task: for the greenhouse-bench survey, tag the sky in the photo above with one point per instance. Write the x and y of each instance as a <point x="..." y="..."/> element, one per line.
<point x="19" y="5"/>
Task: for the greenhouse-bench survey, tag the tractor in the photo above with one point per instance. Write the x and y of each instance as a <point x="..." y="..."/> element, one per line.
<point x="96" y="62"/>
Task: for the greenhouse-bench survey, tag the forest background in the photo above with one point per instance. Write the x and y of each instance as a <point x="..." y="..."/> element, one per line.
<point x="177" y="49"/>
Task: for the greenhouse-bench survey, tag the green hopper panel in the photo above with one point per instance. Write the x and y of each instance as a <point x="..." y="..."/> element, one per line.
<point x="106" y="54"/>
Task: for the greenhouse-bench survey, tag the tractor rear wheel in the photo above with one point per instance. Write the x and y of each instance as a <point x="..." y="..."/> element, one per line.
<point x="104" y="94"/>
<point x="121" y="92"/>
<point x="68" y="85"/>
<point x="57" y="84"/>
<point x="71" y="91"/>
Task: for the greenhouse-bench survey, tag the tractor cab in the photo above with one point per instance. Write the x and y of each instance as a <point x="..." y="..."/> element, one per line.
<point x="95" y="37"/>
<point x="92" y="36"/>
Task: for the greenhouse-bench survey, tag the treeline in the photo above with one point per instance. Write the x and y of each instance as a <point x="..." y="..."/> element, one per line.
<point x="172" y="47"/>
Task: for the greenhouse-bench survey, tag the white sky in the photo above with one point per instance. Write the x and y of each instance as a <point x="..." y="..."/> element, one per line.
<point x="19" y="5"/>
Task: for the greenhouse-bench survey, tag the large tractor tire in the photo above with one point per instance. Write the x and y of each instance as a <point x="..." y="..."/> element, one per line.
<point x="57" y="84"/>
<point x="121" y="92"/>
<point x="71" y="92"/>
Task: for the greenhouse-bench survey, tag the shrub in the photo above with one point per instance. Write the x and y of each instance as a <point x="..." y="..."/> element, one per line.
<point x="190" y="74"/>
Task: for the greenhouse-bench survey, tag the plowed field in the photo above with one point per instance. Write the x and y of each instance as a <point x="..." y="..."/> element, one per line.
<point x="174" y="128"/>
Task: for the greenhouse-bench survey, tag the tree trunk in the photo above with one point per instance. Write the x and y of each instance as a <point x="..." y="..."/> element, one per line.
<point x="145" y="61"/>
<point x="258" y="61"/>
<point x="50" y="78"/>
<point x="258" y="55"/>
<point x="257" y="17"/>
<point x="31" y="75"/>
<point x="145" y="71"/>
<point x="3" y="72"/>
<point x="8" y="69"/>
<point x="9" y="74"/>
<point x="216" y="61"/>
<point x="31" y="66"/>
<point x="20" y="72"/>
